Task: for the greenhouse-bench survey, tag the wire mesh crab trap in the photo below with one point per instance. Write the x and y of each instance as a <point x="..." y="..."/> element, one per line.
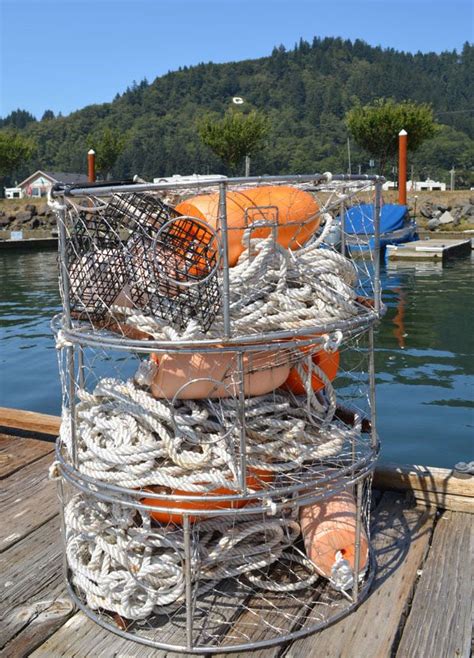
<point x="215" y="468"/>
<point x="136" y="252"/>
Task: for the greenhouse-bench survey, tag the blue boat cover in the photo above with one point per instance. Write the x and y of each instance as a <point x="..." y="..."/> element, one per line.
<point x="359" y="220"/>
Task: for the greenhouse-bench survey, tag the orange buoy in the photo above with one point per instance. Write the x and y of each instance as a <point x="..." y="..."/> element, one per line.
<point x="214" y="375"/>
<point x="329" y="364"/>
<point x="296" y="210"/>
<point x="329" y="528"/>
<point x="256" y="480"/>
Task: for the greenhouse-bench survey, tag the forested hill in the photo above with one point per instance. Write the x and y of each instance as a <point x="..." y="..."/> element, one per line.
<point x="305" y="92"/>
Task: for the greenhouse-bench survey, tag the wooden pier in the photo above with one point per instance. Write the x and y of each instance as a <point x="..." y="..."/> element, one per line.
<point x="419" y="606"/>
<point x="435" y="249"/>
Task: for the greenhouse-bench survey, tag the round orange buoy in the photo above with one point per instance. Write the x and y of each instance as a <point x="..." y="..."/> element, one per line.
<point x="256" y="481"/>
<point x="329" y="364"/>
<point x="329" y="528"/>
<point x="296" y="210"/>
<point x="214" y="375"/>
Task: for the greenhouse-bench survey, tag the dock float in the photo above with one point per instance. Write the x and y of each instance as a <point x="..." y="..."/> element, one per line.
<point x="30" y="243"/>
<point x="436" y="249"/>
<point x="419" y="604"/>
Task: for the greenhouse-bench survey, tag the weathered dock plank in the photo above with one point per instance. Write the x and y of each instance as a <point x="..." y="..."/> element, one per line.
<point x="29" y="421"/>
<point x="261" y="620"/>
<point x="400" y="537"/>
<point x="440" y="487"/>
<point x="439" y="623"/>
<point x="450" y="502"/>
<point x="27" y="500"/>
<point x="16" y="453"/>
<point x="34" y="602"/>
<point x="81" y="637"/>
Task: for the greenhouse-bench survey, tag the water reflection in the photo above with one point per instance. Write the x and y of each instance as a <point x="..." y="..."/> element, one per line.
<point x="426" y="344"/>
<point x="424" y="356"/>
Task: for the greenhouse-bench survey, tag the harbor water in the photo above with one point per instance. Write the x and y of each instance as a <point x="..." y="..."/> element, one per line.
<point x="424" y="353"/>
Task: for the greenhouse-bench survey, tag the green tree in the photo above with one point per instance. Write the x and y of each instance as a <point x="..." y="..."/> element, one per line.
<point x="17" y="120"/>
<point x="14" y="150"/>
<point x="108" y="146"/>
<point x="235" y="135"/>
<point x="375" y="127"/>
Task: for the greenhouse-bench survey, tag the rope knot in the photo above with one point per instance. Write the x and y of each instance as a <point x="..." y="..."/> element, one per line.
<point x="332" y="341"/>
<point x="61" y="340"/>
<point x="54" y="471"/>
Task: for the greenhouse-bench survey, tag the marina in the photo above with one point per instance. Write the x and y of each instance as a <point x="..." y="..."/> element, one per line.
<point x="420" y="547"/>
<point x="236" y="391"/>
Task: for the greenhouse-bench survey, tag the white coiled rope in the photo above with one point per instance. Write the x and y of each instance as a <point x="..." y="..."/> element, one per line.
<point x="126" y="437"/>
<point x="121" y="564"/>
<point x="272" y="289"/>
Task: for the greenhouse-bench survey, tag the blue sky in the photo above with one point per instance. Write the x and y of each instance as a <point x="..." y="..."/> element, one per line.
<point x="65" y="54"/>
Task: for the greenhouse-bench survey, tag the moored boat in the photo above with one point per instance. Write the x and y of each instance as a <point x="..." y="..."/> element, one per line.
<point x="396" y="227"/>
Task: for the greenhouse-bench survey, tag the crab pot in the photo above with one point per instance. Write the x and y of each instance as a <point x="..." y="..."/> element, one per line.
<point x="218" y="433"/>
<point x="97" y="265"/>
<point x="136" y="253"/>
<point x="229" y="582"/>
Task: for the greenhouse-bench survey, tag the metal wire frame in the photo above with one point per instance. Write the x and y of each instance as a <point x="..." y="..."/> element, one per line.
<point x="107" y="190"/>
<point x="187" y="648"/>
<point x="82" y="334"/>
<point x="326" y="611"/>
<point x="364" y="452"/>
<point x="355" y="473"/>
<point x="271" y="501"/>
<point x="368" y="316"/>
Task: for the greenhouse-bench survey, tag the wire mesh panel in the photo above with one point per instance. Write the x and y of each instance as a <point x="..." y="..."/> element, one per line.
<point x="230" y="582"/>
<point x="217" y="442"/>
<point x="137" y="252"/>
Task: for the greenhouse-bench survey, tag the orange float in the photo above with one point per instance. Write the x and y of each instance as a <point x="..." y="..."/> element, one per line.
<point x="256" y="481"/>
<point x="327" y="361"/>
<point x="298" y="214"/>
<point x="329" y="529"/>
<point x="213" y="375"/>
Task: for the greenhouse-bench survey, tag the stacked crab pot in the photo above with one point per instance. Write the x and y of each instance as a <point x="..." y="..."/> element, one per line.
<point x="202" y="439"/>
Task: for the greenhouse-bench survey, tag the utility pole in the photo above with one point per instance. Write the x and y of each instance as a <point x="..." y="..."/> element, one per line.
<point x="349" y="169"/>
<point x="247" y="166"/>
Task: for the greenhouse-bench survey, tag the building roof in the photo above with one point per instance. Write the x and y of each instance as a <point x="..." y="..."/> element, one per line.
<point x="56" y="177"/>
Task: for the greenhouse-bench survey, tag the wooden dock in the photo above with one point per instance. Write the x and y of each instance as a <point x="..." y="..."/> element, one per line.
<point x="419" y="605"/>
<point x="435" y="249"/>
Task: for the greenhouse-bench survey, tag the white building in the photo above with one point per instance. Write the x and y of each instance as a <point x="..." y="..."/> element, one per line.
<point x="39" y="183"/>
<point x="427" y="185"/>
<point x="417" y="186"/>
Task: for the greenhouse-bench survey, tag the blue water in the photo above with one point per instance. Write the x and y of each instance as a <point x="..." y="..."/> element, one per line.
<point x="424" y="356"/>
